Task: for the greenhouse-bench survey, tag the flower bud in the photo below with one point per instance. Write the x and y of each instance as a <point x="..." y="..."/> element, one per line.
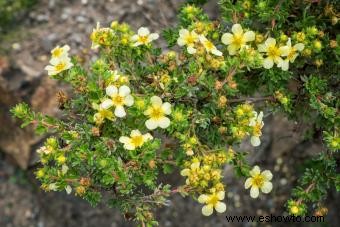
<point x="95" y="131"/>
<point x="333" y="43"/>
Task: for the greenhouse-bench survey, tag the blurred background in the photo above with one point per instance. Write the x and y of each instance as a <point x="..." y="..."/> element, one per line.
<point x="29" y="29"/>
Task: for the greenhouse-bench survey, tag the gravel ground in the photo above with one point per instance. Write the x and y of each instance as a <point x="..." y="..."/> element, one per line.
<point x="51" y="22"/>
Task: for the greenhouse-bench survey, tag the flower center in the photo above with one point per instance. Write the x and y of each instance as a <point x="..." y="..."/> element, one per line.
<point x="143" y="39"/>
<point x="156" y="112"/>
<point x="60" y="66"/>
<point x="137" y="141"/>
<point x="105" y="113"/>
<point x="273" y="52"/>
<point x="291" y="54"/>
<point x="57" y="53"/>
<point x="118" y="100"/>
<point x="189" y="39"/>
<point x="238" y="40"/>
<point x="209" y="45"/>
<point x="257" y="129"/>
<point x="258" y="180"/>
<point x="213" y="200"/>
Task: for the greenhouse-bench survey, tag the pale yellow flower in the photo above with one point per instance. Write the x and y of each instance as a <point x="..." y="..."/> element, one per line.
<point x="57" y="65"/>
<point x="102" y="114"/>
<point x="189" y="39"/>
<point x="209" y="46"/>
<point x="135" y="140"/>
<point x="143" y="37"/>
<point x="259" y="181"/>
<point x="238" y="39"/>
<point x="257" y="123"/>
<point x="157" y="113"/>
<point x="273" y="53"/>
<point x="119" y="98"/>
<point x="212" y="201"/>
<point x="60" y="52"/>
<point x="291" y="53"/>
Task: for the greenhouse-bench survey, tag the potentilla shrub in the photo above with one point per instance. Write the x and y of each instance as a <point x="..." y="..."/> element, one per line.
<point x="139" y="111"/>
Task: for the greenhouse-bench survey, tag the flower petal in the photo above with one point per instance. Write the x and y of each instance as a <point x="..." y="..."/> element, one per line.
<point x="166" y="107"/>
<point x="151" y="124"/>
<point x="120" y="111"/>
<point x="191" y="50"/>
<point x="267" y="174"/>
<point x="180" y="41"/>
<point x="134" y="38"/>
<point x="255" y="171"/>
<point x="128" y="100"/>
<point x="232" y="49"/>
<point x="237" y="29"/>
<point x="284" y="50"/>
<point x="267" y="187"/>
<point x="183" y="32"/>
<point x="268" y="63"/>
<point x="203" y="198"/>
<point x="262" y="48"/>
<point x="207" y="210"/>
<point x="260" y="116"/>
<point x="135" y="132"/>
<point x="153" y="36"/>
<point x="254" y="192"/>
<point x="270" y="41"/>
<point x="111" y="90"/>
<point x="248" y="183"/>
<point x="124" y="139"/>
<point x="129" y="146"/>
<point x="227" y="38"/>
<point x="143" y="31"/>
<point x="299" y="46"/>
<point x="156" y="101"/>
<point x="216" y="52"/>
<point x="221" y="195"/>
<point x="106" y="104"/>
<point x="284" y="65"/>
<point x="249" y="36"/>
<point x="220" y="207"/>
<point x="124" y="90"/>
<point x="185" y="172"/>
<point x="147" y="137"/>
<point x="255" y="141"/>
<point x="68" y="189"/>
<point x="164" y="122"/>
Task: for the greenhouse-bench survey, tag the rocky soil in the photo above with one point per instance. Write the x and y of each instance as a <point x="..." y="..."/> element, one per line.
<point x="23" y="54"/>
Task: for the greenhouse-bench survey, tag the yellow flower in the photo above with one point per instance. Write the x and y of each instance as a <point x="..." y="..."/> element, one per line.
<point x="60" y="52"/>
<point x="119" y="98"/>
<point x="157" y="112"/>
<point x="58" y="65"/>
<point x="135" y="140"/>
<point x="209" y="46"/>
<point x="188" y="38"/>
<point x="258" y="181"/>
<point x="144" y="37"/>
<point x="238" y="39"/>
<point x="273" y="53"/>
<point x="257" y="124"/>
<point x="290" y="54"/>
<point x="188" y="172"/>
<point x="102" y="114"/>
<point x="212" y="201"/>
